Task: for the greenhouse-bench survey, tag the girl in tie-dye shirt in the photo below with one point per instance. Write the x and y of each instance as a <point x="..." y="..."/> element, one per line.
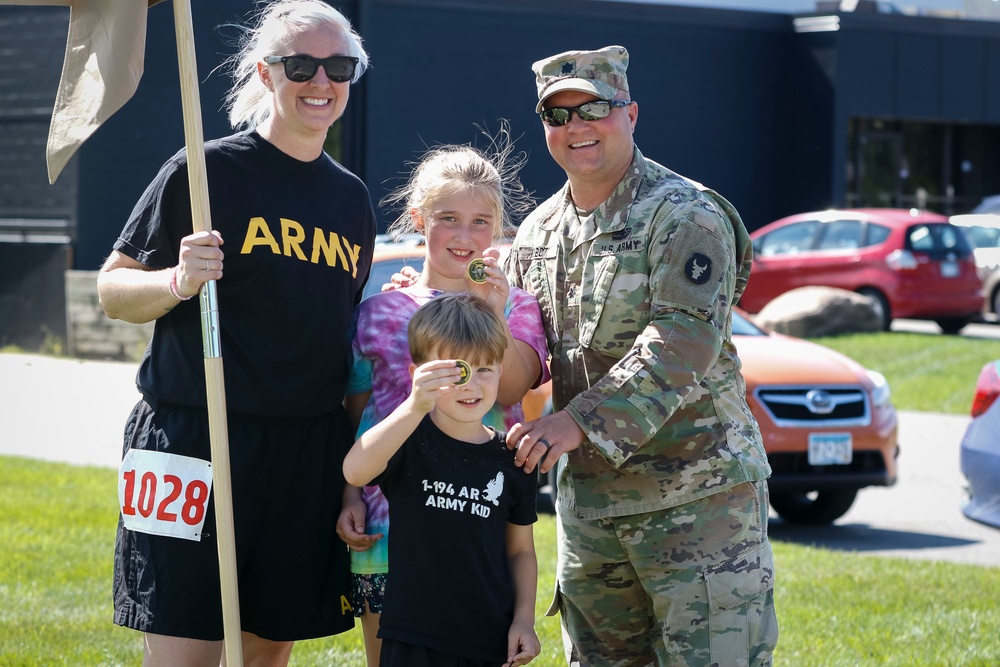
<point x="459" y="199"/>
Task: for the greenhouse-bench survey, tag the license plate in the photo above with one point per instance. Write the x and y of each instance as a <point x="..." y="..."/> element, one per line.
<point x="949" y="269"/>
<point x="827" y="449"/>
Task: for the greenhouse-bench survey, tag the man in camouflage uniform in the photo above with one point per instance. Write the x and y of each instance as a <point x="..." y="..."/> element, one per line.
<point x="663" y="550"/>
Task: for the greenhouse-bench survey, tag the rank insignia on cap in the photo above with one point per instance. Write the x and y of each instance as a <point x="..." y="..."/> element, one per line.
<point x="698" y="268"/>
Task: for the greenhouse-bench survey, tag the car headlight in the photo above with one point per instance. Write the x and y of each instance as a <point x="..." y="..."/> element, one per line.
<point x="880" y="389"/>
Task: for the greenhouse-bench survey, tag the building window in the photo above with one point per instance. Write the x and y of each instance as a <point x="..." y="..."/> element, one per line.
<point x="943" y="167"/>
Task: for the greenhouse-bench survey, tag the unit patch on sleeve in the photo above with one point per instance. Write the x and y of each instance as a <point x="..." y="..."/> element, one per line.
<point x="698" y="268"/>
<point x="694" y="270"/>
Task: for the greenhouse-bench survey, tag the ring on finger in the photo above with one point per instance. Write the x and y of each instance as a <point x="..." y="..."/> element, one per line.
<point x="545" y="443"/>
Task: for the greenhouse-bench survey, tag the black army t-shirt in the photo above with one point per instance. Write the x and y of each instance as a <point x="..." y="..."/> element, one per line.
<point x="297" y="243"/>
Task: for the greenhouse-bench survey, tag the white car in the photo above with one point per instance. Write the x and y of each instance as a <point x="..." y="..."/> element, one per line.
<point x="983" y="232"/>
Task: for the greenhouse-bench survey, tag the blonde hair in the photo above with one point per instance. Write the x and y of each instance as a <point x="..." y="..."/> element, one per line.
<point x="447" y="170"/>
<point x="276" y="23"/>
<point x="457" y="325"/>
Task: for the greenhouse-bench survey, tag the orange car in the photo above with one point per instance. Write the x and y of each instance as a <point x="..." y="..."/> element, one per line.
<point x="828" y="424"/>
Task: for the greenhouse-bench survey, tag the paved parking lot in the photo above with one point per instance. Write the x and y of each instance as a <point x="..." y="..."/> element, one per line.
<point x="74" y="411"/>
<point x="985" y="329"/>
<point x="920" y="517"/>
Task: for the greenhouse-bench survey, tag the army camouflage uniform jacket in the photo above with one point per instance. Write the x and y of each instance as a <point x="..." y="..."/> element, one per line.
<point x="637" y="301"/>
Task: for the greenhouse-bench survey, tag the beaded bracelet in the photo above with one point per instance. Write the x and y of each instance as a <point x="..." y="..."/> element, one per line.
<point x="173" y="287"/>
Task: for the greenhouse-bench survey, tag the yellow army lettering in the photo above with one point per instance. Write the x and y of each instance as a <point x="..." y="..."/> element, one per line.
<point x="328" y="244"/>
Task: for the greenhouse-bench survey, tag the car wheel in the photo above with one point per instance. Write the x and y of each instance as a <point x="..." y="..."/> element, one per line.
<point x="995" y="301"/>
<point x="816" y="508"/>
<point x="881" y="305"/>
<point x="953" y="325"/>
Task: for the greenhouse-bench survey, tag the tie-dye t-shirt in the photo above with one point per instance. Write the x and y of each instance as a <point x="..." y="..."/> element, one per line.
<point x="381" y="365"/>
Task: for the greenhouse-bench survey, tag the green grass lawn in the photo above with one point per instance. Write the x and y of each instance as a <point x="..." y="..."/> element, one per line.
<point x="835" y="608"/>
<point x="927" y="372"/>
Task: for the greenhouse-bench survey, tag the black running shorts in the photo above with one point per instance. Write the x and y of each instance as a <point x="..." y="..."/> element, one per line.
<point x="293" y="569"/>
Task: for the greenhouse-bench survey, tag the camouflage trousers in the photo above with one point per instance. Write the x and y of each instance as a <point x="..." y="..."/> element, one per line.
<point x="689" y="586"/>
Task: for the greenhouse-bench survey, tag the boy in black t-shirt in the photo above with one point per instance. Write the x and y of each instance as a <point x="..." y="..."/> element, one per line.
<point x="462" y="569"/>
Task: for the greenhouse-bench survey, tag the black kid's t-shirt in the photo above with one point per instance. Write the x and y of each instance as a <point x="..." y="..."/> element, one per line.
<point x="449" y="585"/>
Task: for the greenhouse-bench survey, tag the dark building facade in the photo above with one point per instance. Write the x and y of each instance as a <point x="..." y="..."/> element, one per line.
<point x="779" y="113"/>
<point x="894" y="111"/>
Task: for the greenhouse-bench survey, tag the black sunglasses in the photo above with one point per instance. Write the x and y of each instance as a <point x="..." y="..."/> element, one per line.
<point x="302" y="68"/>
<point x="596" y="110"/>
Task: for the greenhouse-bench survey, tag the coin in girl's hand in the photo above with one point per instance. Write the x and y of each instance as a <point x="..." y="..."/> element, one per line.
<point x="477" y="270"/>
<point x="465" y="372"/>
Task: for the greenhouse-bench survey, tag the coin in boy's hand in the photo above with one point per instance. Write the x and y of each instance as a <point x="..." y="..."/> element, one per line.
<point x="477" y="270"/>
<point x="465" y="372"/>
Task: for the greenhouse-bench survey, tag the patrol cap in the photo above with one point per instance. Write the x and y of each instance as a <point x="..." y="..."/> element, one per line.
<point x="600" y="73"/>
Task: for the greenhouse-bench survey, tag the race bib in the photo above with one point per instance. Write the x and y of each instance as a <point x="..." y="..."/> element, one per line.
<point x="164" y="494"/>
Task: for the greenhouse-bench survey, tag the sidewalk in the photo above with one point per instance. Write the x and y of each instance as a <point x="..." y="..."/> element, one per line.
<point x="65" y="409"/>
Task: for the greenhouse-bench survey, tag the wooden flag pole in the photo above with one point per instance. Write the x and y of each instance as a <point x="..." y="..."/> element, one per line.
<point x="194" y="142"/>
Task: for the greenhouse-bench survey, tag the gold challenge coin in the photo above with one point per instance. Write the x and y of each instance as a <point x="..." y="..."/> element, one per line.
<point x="477" y="270"/>
<point x="465" y="372"/>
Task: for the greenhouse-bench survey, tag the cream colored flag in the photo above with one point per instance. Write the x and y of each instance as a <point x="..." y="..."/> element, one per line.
<point x="101" y="70"/>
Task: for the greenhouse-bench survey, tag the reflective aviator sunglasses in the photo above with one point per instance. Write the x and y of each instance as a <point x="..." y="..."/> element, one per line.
<point x="302" y="68"/>
<point x="596" y="110"/>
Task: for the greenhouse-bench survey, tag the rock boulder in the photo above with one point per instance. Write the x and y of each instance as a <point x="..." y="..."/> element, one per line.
<point x="810" y="312"/>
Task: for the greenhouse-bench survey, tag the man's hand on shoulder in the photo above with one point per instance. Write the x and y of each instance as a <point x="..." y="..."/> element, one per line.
<point x="541" y="442"/>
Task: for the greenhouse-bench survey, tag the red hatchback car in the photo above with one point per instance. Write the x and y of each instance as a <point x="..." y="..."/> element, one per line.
<point x="912" y="263"/>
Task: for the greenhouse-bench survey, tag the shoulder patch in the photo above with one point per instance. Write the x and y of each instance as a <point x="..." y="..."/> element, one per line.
<point x="698" y="268"/>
